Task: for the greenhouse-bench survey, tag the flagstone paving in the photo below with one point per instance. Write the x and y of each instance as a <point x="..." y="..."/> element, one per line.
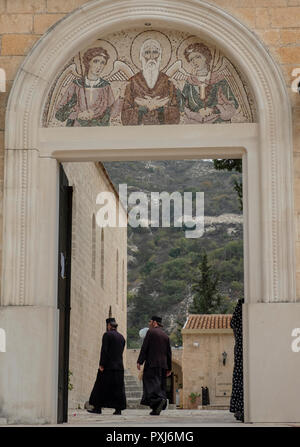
<point x="168" y="418"/>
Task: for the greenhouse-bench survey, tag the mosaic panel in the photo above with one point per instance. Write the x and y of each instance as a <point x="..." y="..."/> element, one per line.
<point x="140" y="77"/>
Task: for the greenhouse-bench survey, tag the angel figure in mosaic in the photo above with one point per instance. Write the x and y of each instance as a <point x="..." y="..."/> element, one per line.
<point x="84" y="97"/>
<point x="212" y="91"/>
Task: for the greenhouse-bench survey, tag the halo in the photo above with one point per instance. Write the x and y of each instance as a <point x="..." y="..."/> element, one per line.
<point x="111" y="49"/>
<point x="194" y="39"/>
<point x="151" y="34"/>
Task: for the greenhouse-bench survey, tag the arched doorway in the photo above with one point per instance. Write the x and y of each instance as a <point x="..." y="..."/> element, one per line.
<point x="29" y="286"/>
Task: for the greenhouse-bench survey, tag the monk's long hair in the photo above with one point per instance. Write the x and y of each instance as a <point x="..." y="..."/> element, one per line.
<point x="90" y="54"/>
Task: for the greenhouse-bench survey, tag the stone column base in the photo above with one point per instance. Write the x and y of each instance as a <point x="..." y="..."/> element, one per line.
<point x="271" y="368"/>
<point x="28" y="368"/>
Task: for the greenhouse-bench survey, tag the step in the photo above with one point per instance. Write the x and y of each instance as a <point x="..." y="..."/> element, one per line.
<point x="131" y="379"/>
<point x="133" y="390"/>
<point x="213" y="407"/>
<point x="132" y="384"/>
<point x="134" y="404"/>
<point x="134" y="394"/>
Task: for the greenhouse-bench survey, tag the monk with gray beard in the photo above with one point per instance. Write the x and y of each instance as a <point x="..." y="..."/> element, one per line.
<point x="150" y="97"/>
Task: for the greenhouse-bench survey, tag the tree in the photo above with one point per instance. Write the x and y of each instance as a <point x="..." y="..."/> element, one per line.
<point x="233" y="165"/>
<point x="206" y="299"/>
<point x="176" y="335"/>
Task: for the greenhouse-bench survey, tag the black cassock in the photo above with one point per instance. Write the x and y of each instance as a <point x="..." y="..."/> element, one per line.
<point x="154" y="386"/>
<point x="109" y="388"/>
<point x="237" y="395"/>
<point x="157" y="355"/>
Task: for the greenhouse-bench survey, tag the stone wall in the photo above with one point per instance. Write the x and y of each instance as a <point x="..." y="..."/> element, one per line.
<point x="132" y="356"/>
<point x="92" y="293"/>
<point x="275" y="22"/>
<point x="203" y="365"/>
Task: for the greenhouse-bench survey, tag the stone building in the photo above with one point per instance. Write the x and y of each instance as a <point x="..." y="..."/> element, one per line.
<point x="224" y="84"/>
<point x="174" y="382"/>
<point x="98" y="277"/>
<point x="207" y="358"/>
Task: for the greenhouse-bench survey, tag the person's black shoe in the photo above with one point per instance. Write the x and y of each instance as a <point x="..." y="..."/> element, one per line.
<point x="239" y="416"/>
<point x="117" y="412"/>
<point x="162" y="404"/>
<point x="95" y="410"/>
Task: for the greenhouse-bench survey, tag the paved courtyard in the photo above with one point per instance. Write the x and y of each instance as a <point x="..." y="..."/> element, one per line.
<point x="168" y="418"/>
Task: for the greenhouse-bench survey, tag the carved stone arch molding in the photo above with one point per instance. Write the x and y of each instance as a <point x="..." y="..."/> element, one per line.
<point x="275" y="253"/>
<point x="29" y="273"/>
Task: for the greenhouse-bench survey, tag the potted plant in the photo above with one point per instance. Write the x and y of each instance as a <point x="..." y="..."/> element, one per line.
<point x="194" y="400"/>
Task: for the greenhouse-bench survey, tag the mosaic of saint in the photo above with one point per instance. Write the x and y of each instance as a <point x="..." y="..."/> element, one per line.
<point x="146" y="78"/>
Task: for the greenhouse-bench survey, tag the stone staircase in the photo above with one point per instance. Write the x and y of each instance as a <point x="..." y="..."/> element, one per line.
<point x="134" y="391"/>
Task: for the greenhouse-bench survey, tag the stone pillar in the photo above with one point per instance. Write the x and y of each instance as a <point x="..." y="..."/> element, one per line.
<point x="28" y="312"/>
<point x="271" y="368"/>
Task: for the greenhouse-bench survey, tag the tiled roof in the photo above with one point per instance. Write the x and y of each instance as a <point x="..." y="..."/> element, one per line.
<point x="211" y="321"/>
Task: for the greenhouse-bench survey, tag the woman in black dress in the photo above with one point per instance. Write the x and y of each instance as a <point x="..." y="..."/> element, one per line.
<point x="237" y="396"/>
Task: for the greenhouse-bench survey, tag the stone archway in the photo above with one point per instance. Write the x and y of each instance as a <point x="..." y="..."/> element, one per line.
<point x="28" y="298"/>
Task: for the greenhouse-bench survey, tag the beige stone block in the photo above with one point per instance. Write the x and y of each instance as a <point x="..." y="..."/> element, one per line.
<point x="10" y="23"/>
<point x="43" y="21"/>
<point x="297" y="193"/>
<point x="64" y="6"/>
<point x="298" y="285"/>
<point x="26" y="6"/>
<point x="17" y="44"/>
<point x="296" y="138"/>
<point x="269" y="37"/>
<point x="296" y="160"/>
<point x="262" y="18"/>
<point x="285" y="17"/>
<point x="3" y="102"/>
<point x="288" y="55"/>
<point x="2" y="5"/>
<point x="1" y="172"/>
<point x="2" y="118"/>
<point x="293" y="2"/>
<point x="287" y="70"/>
<point x="290" y="36"/>
<point x="270" y="3"/>
<point x="297" y="208"/>
<point x="246" y="15"/>
<point x="275" y="55"/>
<point x="296" y="121"/>
<point x="294" y="98"/>
<point x="298" y="256"/>
<point x="11" y="64"/>
<point x="296" y="226"/>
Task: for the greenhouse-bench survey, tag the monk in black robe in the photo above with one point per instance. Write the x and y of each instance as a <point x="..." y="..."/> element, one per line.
<point x="157" y="355"/>
<point x="109" y="388"/>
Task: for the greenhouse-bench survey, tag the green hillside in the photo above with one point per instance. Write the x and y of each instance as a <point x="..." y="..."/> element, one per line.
<point x="162" y="262"/>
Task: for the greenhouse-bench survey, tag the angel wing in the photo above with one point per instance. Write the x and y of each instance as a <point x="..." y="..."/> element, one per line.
<point x="177" y="72"/>
<point x="120" y="72"/>
<point x="63" y="81"/>
<point x="223" y="69"/>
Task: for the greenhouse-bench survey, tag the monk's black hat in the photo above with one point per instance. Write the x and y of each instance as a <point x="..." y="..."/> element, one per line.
<point x="110" y="320"/>
<point x="157" y="319"/>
